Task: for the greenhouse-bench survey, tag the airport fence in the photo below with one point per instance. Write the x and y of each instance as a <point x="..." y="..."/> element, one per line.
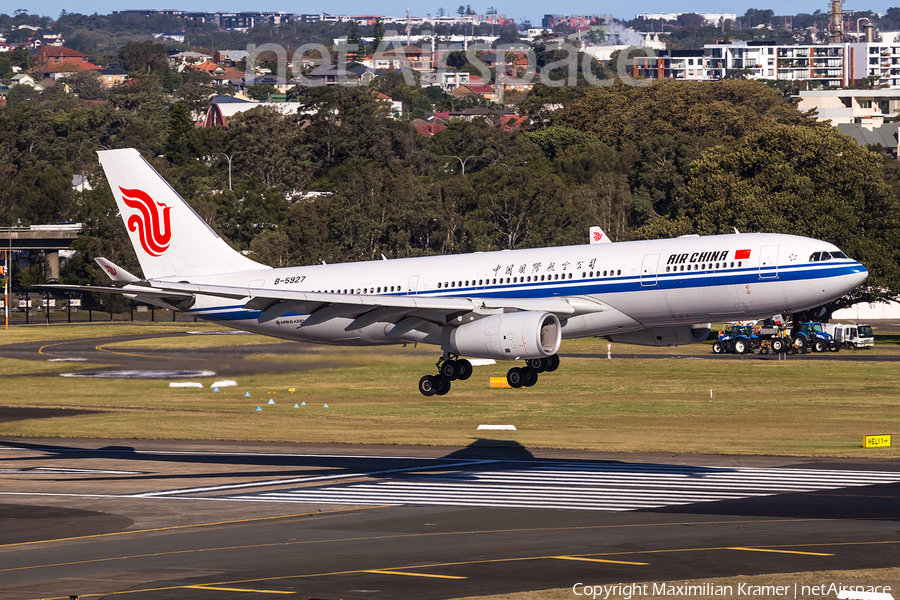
<point x="44" y="308"/>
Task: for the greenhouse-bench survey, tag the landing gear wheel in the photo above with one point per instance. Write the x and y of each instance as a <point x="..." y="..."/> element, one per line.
<point x="464" y="369"/>
<point x="531" y="379"/>
<point x="718" y="348"/>
<point x="443" y="386"/>
<point x="427" y="385"/>
<point x="535" y="364"/>
<point x="515" y="377"/>
<point x="449" y="370"/>
<point x="552" y="364"/>
<point x="777" y="346"/>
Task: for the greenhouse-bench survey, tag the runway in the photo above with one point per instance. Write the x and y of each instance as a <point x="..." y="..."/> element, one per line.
<point x="153" y="520"/>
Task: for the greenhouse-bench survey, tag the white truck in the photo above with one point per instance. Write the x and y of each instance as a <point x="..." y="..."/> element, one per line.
<point x="851" y="335"/>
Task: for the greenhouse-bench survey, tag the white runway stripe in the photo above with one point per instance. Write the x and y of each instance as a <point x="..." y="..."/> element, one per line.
<point x="601" y="486"/>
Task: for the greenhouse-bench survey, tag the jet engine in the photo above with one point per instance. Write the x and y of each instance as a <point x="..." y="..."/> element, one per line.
<point x="665" y="336"/>
<point x="509" y="336"/>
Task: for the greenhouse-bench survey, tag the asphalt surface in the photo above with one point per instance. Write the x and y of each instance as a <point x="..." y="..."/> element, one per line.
<point x="154" y="520"/>
<point x="162" y="519"/>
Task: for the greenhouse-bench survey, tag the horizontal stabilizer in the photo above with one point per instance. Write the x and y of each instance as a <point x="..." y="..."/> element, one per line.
<point x="130" y="290"/>
<point x="115" y="272"/>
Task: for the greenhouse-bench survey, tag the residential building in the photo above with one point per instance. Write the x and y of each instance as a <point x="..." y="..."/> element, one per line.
<point x="447" y="80"/>
<point x="228" y="59"/>
<point x="870" y="107"/>
<point x="823" y="64"/>
<point x="183" y="60"/>
<point x="715" y="19"/>
<point x="884" y="135"/>
<point x="878" y="60"/>
<point x="485" y="91"/>
<point x="687" y="65"/>
<point x="112" y="76"/>
<point x="575" y="21"/>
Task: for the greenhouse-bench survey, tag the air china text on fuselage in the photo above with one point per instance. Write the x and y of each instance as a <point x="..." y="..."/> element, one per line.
<point x="507" y="305"/>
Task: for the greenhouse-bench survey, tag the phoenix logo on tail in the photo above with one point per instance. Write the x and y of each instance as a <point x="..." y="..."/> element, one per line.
<point x="155" y="236"/>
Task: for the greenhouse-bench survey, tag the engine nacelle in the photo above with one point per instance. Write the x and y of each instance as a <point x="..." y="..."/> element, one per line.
<point x="679" y="335"/>
<point x="509" y="336"/>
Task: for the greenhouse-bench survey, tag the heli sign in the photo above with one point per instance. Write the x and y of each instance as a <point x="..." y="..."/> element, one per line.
<point x="877" y="441"/>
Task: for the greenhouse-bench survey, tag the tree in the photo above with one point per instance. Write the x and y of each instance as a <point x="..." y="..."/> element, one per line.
<point x="259" y="91"/>
<point x="461" y="11"/>
<point x="377" y="35"/>
<point x="180" y="124"/>
<point x="144" y="57"/>
<point x="624" y="116"/>
<point x="810" y="181"/>
<point x="441" y="12"/>
<point x="87" y="85"/>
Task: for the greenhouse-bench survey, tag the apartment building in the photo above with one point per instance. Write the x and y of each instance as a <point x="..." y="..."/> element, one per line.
<point x="687" y="65"/>
<point x="824" y="64"/>
<point x="879" y="60"/>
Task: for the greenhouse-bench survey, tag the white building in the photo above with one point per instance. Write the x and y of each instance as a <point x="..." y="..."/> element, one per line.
<point x="823" y="64"/>
<point x="867" y="107"/>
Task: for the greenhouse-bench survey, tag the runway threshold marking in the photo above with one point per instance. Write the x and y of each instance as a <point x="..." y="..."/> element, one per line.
<point x="412" y="574"/>
<point x="225" y="589"/>
<point x="600" y="560"/>
<point x="293" y="480"/>
<point x="780" y="551"/>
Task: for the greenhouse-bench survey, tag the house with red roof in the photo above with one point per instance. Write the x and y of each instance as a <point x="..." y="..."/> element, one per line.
<point x="55" y="62"/>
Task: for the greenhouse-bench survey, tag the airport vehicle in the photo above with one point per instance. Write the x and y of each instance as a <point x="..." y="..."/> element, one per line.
<point x="738" y="338"/>
<point x="851" y="335"/>
<point x="507" y="305"/>
<point x="812" y="335"/>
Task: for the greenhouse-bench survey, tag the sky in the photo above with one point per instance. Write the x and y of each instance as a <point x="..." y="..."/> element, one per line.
<point x="532" y="10"/>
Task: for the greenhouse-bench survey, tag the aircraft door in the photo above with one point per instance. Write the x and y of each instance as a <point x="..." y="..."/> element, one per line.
<point x="413" y="285"/>
<point x="649" y="270"/>
<point x="768" y="262"/>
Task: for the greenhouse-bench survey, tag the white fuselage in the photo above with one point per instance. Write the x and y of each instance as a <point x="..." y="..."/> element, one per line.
<point x="629" y="285"/>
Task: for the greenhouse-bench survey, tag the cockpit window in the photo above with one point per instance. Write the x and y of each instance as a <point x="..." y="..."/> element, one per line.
<point x="820" y="256"/>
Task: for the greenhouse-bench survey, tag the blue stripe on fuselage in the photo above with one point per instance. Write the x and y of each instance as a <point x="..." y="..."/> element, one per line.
<point x="601" y="285"/>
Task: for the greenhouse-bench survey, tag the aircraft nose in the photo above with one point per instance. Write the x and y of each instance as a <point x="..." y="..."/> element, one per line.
<point x="859" y="275"/>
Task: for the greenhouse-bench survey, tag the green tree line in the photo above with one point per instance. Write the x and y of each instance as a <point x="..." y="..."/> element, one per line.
<point x="341" y="181"/>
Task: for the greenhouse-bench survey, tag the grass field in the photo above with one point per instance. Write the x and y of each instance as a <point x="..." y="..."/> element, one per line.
<point x="801" y="406"/>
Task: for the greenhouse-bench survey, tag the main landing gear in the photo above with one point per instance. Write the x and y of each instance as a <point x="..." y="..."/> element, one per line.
<point x="527" y="376"/>
<point x="451" y="369"/>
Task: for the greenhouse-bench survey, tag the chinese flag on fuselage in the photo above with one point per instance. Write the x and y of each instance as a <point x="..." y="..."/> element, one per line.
<point x="739" y="254"/>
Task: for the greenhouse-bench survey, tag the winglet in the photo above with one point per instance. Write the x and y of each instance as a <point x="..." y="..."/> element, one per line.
<point x="115" y="272"/>
<point x="598" y="236"/>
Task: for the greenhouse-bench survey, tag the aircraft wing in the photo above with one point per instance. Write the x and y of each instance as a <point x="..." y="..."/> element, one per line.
<point x="321" y="307"/>
<point x="136" y="290"/>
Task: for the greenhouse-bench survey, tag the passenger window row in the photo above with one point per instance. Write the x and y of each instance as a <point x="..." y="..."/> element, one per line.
<point x="703" y="266"/>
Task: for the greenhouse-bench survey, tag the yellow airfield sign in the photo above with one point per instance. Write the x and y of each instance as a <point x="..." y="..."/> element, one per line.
<point x="877" y="441"/>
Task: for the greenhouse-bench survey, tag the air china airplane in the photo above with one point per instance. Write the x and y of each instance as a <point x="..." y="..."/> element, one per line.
<point x="507" y="305"/>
